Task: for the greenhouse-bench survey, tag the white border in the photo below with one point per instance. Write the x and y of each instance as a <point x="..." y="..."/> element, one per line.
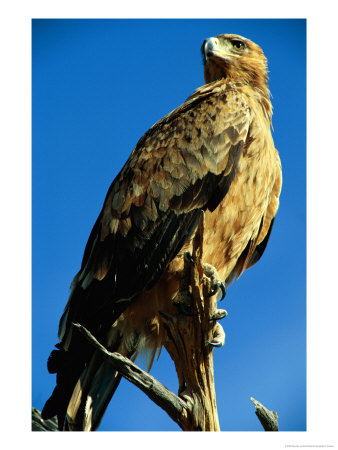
<point x="15" y="191"/>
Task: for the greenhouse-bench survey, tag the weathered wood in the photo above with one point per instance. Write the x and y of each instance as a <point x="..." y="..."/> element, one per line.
<point x="38" y="424"/>
<point x="267" y="418"/>
<point x="175" y="407"/>
<point x="188" y="343"/>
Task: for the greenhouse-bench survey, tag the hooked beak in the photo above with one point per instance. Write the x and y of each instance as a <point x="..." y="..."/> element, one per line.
<point x="211" y="50"/>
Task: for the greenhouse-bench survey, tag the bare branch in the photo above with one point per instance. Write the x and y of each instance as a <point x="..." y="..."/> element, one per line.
<point x="190" y="339"/>
<point x="267" y="418"/>
<point x="174" y="406"/>
<point x="38" y="424"/>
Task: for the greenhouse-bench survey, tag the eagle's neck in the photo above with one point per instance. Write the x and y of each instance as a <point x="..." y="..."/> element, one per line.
<point x="263" y="97"/>
<point x="253" y="74"/>
<point x="258" y="81"/>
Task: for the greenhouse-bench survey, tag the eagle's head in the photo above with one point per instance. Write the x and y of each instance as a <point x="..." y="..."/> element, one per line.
<point x="235" y="57"/>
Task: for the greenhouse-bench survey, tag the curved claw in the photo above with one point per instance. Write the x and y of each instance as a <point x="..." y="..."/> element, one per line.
<point x="218" y="338"/>
<point x="220" y="314"/>
<point x="216" y="343"/>
<point x="188" y="256"/>
<point x="224" y="290"/>
<point x="181" y="306"/>
<point x="218" y="286"/>
<point x="213" y="292"/>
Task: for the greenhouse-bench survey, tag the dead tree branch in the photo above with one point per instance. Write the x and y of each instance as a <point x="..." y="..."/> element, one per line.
<point x="267" y="418"/>
<point x="175" y="407"/>
<point x="190" y="340"/>
<point x="38" y="424"/>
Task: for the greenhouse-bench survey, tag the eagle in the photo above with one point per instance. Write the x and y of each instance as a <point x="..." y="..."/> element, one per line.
<point x="214" y="156"/>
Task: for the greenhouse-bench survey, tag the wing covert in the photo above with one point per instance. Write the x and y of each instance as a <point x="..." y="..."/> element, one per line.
<point x="184" y="164"/>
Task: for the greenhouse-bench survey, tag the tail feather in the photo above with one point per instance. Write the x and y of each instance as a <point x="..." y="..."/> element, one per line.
<point x="74" y="355"/>
<point x="92" y="394"/>
<point x="68" y="366"/>
<point x="103" y="388"/>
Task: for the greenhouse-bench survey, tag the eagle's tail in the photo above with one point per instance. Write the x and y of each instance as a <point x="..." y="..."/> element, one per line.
<point x="68" y="366"/>
<point x="92" y="394"/>
<point x="78" y="367"/>
<point x="85" y="386"/>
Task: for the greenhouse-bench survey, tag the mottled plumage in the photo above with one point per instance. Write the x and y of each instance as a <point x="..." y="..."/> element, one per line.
<point x="215" y="154"/>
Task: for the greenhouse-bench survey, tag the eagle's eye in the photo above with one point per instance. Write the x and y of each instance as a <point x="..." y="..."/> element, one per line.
<point x="238" y="45"/>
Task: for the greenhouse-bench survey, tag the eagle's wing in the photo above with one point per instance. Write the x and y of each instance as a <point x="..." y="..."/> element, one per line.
<point x="184" y="164"/>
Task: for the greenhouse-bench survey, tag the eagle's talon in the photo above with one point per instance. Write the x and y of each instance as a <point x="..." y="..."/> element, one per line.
<point x="210" y="272"/>
<point x="213" y="292"/>
<point x="218" y="338"/>
<point x="224" y="290"/>
<point x="221" y="286"/>
<point x="216" y="343"/>
<point x="220" y="314"/>
<point x="183" y="309"/>
<point x="188" y="256"/>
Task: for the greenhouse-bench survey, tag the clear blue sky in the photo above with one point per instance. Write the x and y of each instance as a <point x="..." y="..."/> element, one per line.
<point x="98" y="85"/>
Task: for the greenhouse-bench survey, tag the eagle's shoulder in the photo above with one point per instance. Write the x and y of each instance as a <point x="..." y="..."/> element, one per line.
<point x="194" y="140"/>
<point x="208" y="108"/>
<point x="184" y="164"/>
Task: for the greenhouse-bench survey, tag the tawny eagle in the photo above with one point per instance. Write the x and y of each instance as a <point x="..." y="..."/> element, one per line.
<point x="213" y="155"/>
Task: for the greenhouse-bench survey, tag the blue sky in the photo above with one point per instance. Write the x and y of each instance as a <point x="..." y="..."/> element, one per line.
<point x="97" y="86"/>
